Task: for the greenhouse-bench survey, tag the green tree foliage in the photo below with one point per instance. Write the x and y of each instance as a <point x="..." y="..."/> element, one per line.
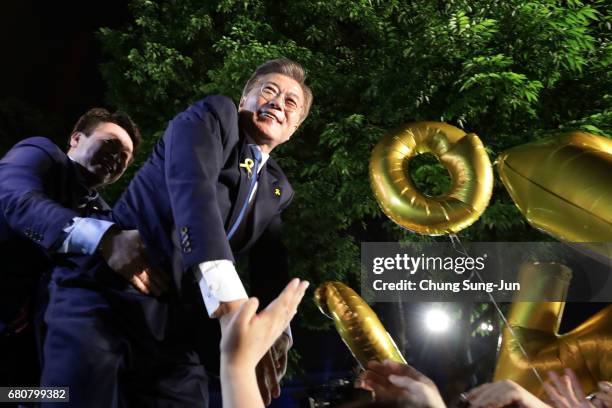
<point x="511" y="71"/>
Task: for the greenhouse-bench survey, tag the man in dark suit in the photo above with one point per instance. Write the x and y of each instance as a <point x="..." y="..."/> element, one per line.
<point x="208" y="191"/>
<point x="46" y="199"/>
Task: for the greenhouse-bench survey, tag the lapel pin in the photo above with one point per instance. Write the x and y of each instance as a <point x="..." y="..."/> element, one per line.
<point x="277" y="192"/>
<point x="248" y="165"/>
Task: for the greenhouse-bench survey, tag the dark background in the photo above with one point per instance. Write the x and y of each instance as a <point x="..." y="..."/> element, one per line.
<point x="49" y="72"/>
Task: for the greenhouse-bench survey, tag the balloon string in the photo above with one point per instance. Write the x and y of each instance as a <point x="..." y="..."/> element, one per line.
<point x="456" y="241"/>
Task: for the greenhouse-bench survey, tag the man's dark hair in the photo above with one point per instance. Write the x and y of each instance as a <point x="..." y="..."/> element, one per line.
<point x="285" y="67"/>
<point x="93" y="117"/>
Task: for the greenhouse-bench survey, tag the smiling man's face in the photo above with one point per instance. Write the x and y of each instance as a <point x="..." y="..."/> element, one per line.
<point x="271" y="111"/>
<point x="105" y="153"/>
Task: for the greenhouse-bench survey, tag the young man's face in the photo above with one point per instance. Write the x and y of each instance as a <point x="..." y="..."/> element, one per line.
<point x="272" y="109"/>
<point x="105" y="153"/>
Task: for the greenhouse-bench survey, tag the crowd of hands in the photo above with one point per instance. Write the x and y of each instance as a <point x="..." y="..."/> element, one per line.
<point x="247" y="336"/>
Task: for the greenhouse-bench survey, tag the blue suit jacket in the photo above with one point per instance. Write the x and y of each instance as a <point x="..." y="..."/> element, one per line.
<point x="40" y="192"/>
<point x="183" y="200"/>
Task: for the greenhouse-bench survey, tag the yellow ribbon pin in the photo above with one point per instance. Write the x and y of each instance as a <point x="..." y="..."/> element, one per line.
<point x="277" y="191"/>
<point x="248" y="165"/>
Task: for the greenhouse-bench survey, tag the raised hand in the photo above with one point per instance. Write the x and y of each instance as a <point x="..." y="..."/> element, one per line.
<point x="395" y="381"/>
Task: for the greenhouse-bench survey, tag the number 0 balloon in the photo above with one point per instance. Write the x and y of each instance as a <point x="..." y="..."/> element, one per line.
<point x="463" y="155"/>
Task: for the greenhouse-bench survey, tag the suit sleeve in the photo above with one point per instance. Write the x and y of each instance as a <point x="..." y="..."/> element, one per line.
<point x="24" y="201"/>
<point x="194" y="156"/>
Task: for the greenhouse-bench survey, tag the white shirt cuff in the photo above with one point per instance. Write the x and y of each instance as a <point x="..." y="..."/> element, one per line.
<point x="219" y="282"/>
<point x="83" y="235"/>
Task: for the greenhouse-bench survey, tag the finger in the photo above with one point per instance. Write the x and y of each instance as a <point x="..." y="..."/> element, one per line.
<point x="600" y="403"/>
<point x="373" y="376"/>
<point x="273" y="375"/>
<point x="404" y="370"/>
<point x="375" y="365"/>
<point x="262" y="381"/>
<point x="604" y="399"/>
<point x="284" y="307"/>
<point x="281" y="366"/>
<point x="248" y="310"/>
<point x="605" y="386"/>
<point x="135" y="280"/>
<point x="381" y="387"/>
<point x="294" y="297"/>
<point x="556" y="381"/>
<point x="379" y="368"/>
<point x="486" y="395"/>
<point x="381" y="391"/>
<point x="552" y="393"/>
<point x="269" y="378"/>
<point x="377" y="383"/>
<point x="401" y="381"/>
<point x="567" y="387"/>
<point x="474" y="393"/>
<point x="293" y="292"/>
<point x="148" y="280"/>
<point x="575" y="384"/>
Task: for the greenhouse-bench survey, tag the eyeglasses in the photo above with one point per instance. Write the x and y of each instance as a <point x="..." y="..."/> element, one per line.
<point x="270" y="91"/>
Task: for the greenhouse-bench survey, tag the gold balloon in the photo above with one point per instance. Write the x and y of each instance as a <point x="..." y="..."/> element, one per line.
<point x="463" y="155"/>
<point x="564" y="186"/>
<point x="357" y="324"/>
<point x="587" y="349"/>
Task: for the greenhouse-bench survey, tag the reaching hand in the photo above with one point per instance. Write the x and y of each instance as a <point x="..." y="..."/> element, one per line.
<point x="395" y="381"/>
<point x="247" y="336"/>
<point x="565" y="391"/>
<point x="124" y="252"/>
<point x="272" y="368"/>
<point x="503" y="393"/>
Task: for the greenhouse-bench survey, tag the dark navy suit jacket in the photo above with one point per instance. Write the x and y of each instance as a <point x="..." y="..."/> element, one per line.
<point x="40" y="192"/>
<point x="183" y="201"/>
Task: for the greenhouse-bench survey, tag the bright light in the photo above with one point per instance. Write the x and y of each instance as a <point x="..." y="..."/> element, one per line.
<point x="436" y="321"/>
<point x="486" y="326"/>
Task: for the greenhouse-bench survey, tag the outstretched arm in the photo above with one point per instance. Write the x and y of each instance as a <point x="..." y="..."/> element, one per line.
<point x="246" y="337"/>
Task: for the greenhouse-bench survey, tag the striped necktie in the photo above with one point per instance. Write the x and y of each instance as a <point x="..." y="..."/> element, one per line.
<point x="257" y="159"/>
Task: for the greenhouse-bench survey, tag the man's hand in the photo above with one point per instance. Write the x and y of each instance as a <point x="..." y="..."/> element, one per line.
<point x="124" y="252"/>
<point x="565" y="391"/>
<point x="272" y="368"/>
<point x="395" y="381"/>
<point x="503" y="393"/>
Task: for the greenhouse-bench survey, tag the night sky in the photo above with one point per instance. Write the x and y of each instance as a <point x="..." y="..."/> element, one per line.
<point x="49" y="70"/>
